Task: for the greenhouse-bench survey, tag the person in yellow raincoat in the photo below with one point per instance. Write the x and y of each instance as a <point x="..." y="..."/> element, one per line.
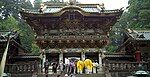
<point x="80" y="66"/>
<point x="88" y="65"/>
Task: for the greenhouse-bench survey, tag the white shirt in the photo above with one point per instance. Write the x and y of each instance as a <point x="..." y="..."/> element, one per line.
<point x="67" y="61"/>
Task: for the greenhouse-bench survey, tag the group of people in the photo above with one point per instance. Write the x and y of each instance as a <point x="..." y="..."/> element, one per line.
<point x="71" y="66"/>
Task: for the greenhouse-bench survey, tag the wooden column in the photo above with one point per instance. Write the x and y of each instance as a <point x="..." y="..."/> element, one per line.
<point x="138" y="56"/>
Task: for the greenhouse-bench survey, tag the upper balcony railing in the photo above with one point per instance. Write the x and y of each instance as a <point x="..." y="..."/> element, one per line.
<point x="77" y="37"/>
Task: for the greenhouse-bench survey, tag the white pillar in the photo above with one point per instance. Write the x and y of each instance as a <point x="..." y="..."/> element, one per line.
<point x="83" y="55"/>
<point x="61" y="56"/>
<point x="43" y="59"/>
<point x="100" y="61"/>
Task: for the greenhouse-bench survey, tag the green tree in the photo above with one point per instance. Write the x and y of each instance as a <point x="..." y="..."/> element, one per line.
<point x="35" y="49"/>
<point x="11" y="20"/>
<point x="26" y="4"/>
<point x="116" y="34"/>
<point x="137" y="17"/>
<point x="9" y="24"/>
<point x="37" y="4"/>
<point x="26" y="35"/>
<point x="12" y="7"/>
<point x="139" y="14"/>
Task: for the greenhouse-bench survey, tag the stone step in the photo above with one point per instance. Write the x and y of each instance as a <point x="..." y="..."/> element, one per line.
<point x="55" y="75"/>
<point x="76" y="75"/>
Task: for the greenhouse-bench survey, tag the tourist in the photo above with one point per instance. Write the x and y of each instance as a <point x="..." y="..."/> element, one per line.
<point x="54" y="67"/>
<point x="46" y="66"/>
<point x="67" y="62"/>
<point x="71" y="67"/>
<point x="95" y="65"/>
<point x="61" y="66"/>
<point x="80" y="66"/>
<point x="75" y="67"/>
<point x="88" y="66"/>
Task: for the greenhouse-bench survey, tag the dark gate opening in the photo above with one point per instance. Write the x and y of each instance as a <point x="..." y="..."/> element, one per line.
<point x="92" y="56"/>
<point x="52" y="57"/>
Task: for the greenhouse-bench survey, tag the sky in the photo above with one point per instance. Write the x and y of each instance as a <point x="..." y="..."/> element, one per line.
<point x="109" y="4"/>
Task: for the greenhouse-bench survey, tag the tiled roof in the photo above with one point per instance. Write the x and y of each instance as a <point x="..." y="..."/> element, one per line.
<point x="4" y="35"/>
<point x="87" y="9"/>
<point x="140" y="35"/>
<point x="52" y="9"/>
<point x="91" y="9"/>
<point x="57" y="9"/>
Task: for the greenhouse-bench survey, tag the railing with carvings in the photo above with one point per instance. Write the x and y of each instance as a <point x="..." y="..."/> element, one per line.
<point x="21" y="68"/>
<point x="72" y="37"/>
<point x="125" y="66"/>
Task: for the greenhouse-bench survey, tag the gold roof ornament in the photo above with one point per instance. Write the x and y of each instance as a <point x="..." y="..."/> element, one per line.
<point x="42" y="7"/>
<point x="102" y="7"/>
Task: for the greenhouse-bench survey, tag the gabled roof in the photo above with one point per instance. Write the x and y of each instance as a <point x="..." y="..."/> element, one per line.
<point x="5" y="34"/>
<point x="58" y="9"/>
<point x="53" y="8"/>
<point x="135" y="35"/>
<point x="139" y="35"/>
<point x="13" y="36"/>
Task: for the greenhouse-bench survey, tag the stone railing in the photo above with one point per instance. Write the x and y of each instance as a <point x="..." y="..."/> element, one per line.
<point x="123" y="69"/>
<point x="21" y="68"/>
<point x="125" y="66"/>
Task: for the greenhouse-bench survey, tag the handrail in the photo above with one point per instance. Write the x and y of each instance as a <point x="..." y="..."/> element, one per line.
<point x="3" y="62"/>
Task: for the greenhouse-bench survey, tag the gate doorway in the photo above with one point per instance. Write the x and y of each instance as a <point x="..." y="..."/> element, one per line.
<point x="75" y="56"/>
<point x="92" y="56"/>
<point x="52" y="57"/>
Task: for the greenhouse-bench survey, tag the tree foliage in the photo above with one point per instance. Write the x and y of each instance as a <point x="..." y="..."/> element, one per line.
<point x="137" y="16"/>
<point x="9" y="24"/>
<point x="37" y="4"/>
<point x="11" y="20"/>
<point x="35" y="49"/>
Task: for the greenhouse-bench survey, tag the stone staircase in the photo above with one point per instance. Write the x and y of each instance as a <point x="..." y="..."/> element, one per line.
<point x="76" y="75"/>
<point x="100" y="74"/>
<point x="50" y="74"/>
<point x="55" y="75"/>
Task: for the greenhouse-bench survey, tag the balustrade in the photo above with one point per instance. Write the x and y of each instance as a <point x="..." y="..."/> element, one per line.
<point x="125" y="66"/>
<point x="21" y="68"/>
<point x="75" y="37"/>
